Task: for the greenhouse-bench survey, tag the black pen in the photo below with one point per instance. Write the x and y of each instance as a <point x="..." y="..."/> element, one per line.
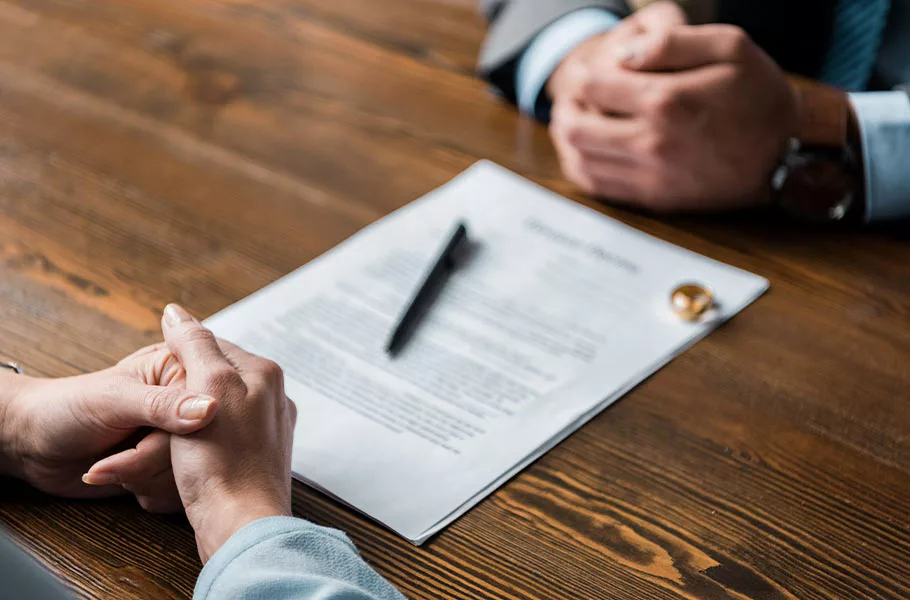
<point x="428" y="290"/>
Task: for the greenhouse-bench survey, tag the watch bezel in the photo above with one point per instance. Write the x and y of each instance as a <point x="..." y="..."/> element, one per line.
<point x="799" y="155"/>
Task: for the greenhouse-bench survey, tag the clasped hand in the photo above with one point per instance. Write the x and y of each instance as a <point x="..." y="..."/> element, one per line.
<point x="671" y="117"/>
<point x="213" y="425"/>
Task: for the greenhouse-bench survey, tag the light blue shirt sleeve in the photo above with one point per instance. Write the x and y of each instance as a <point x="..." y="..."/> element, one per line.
<point x="283" y="558"/>
<point x="884" y="121"/>
<point x="549" y="48"/>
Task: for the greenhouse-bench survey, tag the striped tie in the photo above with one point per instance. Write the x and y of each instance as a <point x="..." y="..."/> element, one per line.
<point x="858" y="30"/>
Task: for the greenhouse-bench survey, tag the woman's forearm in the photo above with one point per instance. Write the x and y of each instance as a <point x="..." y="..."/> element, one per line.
<point x="10" y="387"/>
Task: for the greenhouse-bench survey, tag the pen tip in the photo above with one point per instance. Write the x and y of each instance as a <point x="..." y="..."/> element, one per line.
<point x="392" y="348"/>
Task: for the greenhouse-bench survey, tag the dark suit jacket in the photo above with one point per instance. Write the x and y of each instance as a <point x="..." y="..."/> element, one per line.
<point x="796" y="33"/>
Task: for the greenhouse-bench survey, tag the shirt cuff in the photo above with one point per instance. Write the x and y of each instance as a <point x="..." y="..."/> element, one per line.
<point x="884" y="122"/>
<point x="549" y="48"/>
<point x="252" y="535"/>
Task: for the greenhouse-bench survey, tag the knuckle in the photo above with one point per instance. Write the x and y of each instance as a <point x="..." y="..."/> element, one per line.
<point x="736" y="42"/>
<point x="575" y="132"/>
<point x="266" y="379"/>
<point x="599" y="190"/>
<point x="264" y="376"/>
<point x="669" y="9"/>
<point x="272" y="371"/>
<point x="292" y="412"/>
<point x="572" y="165"/>
<point x="560" y="123"/>
<point x="588" y="86"/>
<point x="662" y="101"/>
<point x="573" y="127"/>
<point x="158" y="403"/>
<point x="655" y="145"/>
<point x="557" y="113"/>
<point x="578" y="76"/>
<point x="557" y="116"/>
<point x="588" y="187"/>
<point x="585" y="183"/>
<point x="198" y="335"/>
<point x="585" y="165"/>
<point x="661" y="44"/>
<point x="223" y="378"/>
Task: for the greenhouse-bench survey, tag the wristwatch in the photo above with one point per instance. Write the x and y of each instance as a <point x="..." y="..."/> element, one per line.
<point x="11" y="366"/>
<point x="820" y="177"/>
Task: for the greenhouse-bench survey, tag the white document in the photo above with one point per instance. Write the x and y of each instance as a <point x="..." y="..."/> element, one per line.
<point x="559" y="311"/>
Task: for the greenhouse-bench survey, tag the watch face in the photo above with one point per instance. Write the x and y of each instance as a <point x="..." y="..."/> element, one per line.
<point x="817" y="189"/>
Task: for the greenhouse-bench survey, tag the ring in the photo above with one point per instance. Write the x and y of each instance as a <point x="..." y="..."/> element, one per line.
<point x="691" y="301"/>
<point x="11" y="366"/>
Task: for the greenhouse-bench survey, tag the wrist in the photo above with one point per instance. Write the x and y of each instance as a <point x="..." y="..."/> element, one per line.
<point x="820" y="177"/>
<point x="217" y="517"/>
<point x="822" y="114"/>
<point x="11" y="388"/>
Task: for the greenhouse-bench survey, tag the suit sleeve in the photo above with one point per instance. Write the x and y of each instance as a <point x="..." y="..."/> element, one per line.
<point x="547" y="51"/>
<point x="513" y="26"/>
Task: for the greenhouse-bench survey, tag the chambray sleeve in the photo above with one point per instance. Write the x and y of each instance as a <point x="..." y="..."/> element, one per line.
<point x="884" y="120"/>
<point x="548" y="49"/>
<point x="283" y="558"/>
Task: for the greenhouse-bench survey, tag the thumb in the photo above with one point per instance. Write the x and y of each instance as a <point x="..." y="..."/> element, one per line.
<point x="660" y="16"/>
<point x="195" y="347"/>
<point x="130" y="404"/>
<point x="683" y="48"/>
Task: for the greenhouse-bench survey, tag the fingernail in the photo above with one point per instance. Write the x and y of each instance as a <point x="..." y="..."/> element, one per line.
<point x="195" y="408"/>
<point x="100" y="479"/>
<point x="175" y="314"/>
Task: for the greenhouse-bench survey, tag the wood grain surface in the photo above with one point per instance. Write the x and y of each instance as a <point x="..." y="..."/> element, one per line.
<point x="196" y="150"/>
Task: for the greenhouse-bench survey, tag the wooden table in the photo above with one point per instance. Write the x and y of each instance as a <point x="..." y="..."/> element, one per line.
<point x="196" y="150"/>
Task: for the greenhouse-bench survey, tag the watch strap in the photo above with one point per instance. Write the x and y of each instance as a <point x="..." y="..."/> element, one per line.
<point x="824" y="114"/>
